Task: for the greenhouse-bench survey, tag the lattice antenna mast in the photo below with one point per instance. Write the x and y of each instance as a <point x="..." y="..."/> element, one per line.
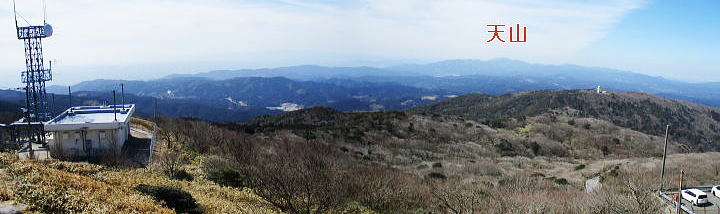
<point x="35" y="75"/>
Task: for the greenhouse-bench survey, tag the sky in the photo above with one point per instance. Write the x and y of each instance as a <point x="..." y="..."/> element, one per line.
<point x="144" y="39"/>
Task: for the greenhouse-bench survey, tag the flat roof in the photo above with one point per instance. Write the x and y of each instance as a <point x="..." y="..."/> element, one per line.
<point x="23" y="122"/>
<point x="91" y="117"/>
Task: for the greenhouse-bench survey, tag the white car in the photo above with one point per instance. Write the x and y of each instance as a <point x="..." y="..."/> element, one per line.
<point x="695" y="196"/>
<point x="715" y="191"/>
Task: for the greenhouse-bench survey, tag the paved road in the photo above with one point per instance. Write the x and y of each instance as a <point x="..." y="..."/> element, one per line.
<point x="712" y="207"/>
<point x="137" y="148"/>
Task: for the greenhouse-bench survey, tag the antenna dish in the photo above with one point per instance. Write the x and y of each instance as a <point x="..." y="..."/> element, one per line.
<point x="48" y="30"/>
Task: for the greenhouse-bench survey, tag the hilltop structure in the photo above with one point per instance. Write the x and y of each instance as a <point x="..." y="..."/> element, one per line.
<point x="600" y="91"/>
<point x="35" y="77"/>
<point x="90" y="131"/>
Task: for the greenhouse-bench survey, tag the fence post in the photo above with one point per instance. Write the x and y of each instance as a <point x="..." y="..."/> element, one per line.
<point x="679" y="204"/>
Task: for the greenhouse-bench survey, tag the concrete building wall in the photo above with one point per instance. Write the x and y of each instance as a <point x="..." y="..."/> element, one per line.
<point x="88" y="142"/>
<point x="89" y="131"/>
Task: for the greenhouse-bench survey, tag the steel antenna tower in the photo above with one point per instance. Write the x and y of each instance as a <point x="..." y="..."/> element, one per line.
<point x="34" y="77"/>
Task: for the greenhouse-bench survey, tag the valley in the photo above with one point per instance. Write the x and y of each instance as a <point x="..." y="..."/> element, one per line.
<point x="449" y="156"/>
<point x="358" y="145"/>
<point x="359" y="107"/>
<point x="239" y="95"/>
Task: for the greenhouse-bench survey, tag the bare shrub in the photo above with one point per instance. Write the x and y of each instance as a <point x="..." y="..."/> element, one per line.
<point x="524" y="183"/>
<point x="388" y="190"/>
<point x="57" y="152"/>
<point x="115" y="159"/>
<point x="169" y="160"/>
<point x="317" y="171"/>
<point x="454" y="196"/>
<point x="550" y="148"/>
<point x="627" y="190"/>
<point x="482" y="168"/>
<point x="298" y="177"/>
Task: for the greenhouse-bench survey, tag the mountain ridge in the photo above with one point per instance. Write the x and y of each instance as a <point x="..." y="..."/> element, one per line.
<point x="693" y="124"/>
<point x="495" y="77"/>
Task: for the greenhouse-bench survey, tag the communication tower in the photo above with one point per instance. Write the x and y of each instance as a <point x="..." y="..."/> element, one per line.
<point x="35" y="76"/>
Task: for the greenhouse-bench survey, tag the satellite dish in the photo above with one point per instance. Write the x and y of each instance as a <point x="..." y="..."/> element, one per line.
<point x="48" y="30"/>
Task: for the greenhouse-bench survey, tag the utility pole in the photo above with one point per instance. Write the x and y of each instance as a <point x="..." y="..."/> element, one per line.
<point x="155" y="111"/>
<point x="52" y="106"/>
<point x="122" y="95"/>
<point x="662" y="171"/>
<point x="69" y="97"/>
<point x="679" y="204"/>
<point x="114" y="106"/>
<point x="154" y="134"/>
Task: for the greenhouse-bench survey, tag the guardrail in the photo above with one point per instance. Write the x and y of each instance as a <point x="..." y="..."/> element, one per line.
<point x="674" y="203"/>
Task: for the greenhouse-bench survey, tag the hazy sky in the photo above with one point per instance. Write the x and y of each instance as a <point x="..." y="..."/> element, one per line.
<point x="142" y="39"/>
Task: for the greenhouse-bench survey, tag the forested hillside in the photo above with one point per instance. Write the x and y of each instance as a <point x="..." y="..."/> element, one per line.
<point x="402" y="162"/>
<point x="445" y="157"/>
<point x="9" y="112"/>
<point x="691" y="124"/>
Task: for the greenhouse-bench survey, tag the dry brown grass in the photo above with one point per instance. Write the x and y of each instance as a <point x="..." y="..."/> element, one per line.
<point x="50" y="190"/>
<point x="213" y="198"/>
<point x="6" y="193"/>
<point x="54" y="186"/>
<point x="521" y="181"/>
<point x="528" y="185"/>
<point x="701" y="169"/>
<point x="527" y="193"/>
<point x="148" y="125"/>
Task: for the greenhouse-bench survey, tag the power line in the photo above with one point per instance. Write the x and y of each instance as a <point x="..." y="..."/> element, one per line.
<point x="15" y="13"/>
<point x="26" y="21"/>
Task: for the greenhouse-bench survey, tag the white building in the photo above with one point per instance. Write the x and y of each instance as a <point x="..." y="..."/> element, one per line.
<point x="87" y="131"/>
<point x="600" y="91"/>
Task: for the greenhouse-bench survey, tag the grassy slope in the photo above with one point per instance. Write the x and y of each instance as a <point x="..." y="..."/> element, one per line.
<point x="547" y="145"/>
<point x="56" y="186"/>
<point x="694" y="125"/>
<point x="470" y="155"/>
<point x="417" y="143"/>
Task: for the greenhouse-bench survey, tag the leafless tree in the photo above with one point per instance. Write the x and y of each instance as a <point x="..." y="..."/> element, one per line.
<point x="298" y="176"/>
<point x="457" y="197"/>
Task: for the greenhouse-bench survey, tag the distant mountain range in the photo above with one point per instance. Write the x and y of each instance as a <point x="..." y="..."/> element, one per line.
<point x="302" y="72"/>
<point x="390" y="88"/>
<point x="263" y="95"/>
<point x="12" y="101"/>
<point x="491" y="77"/>
<point x="232" y="96"/>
